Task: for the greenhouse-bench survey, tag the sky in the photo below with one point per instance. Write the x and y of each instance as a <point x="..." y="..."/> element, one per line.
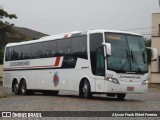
<point x="59" y="16"/>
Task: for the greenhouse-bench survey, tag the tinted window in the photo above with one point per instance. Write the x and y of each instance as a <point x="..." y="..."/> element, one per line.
<point x="79" y="47"/>
<point x="49" y="49"/>
<point x="16" y="53"/>
<point x="119" y="58"/>
<point x="8" y="54"/>
<point x="26" y="49"/>
<point x="95" y="43"/>
<point x="138" y="53"/>
<point x="100" y="66"/>
<point x="63" y="47"/>
<point x="37" y="50"/>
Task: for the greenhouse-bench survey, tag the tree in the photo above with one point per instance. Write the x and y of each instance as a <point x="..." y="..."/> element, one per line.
<point x="148" y="42"/>
<point x="5" y="27"/>
<point x="1" y="55"/>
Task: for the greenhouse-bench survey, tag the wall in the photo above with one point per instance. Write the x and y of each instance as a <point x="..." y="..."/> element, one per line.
<point x="1" y="72"/>
<point x="155" y="42"/>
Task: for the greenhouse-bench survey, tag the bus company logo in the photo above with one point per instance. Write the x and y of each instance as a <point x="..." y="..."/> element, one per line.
<point x="56" y="79"/>
<point x="130" y="77"/>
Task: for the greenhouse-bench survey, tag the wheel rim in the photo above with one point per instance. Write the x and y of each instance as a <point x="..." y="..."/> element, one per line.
<point x="16" y="88"/>
<point x="23" y="89"/>
<point x="85" y="88"/>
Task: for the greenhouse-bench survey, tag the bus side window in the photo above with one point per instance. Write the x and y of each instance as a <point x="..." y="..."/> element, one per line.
<point x="100" y="65"/>
<point x="16" y="53"/>
<point x="49" y="49"/>
<point x="37" y="50"/>
<point x="8" y="54"/>
<point x="96" y="40"/>
<point x="63" y="47"/>
<point x="79" y="47"/>
<point x="48" y="53"/>
<point x="26" y="51"/>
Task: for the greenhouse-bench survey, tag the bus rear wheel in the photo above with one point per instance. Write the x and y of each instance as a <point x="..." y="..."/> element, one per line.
<point x="121" y="96"/>
<point x="16" y="88"/>
<point x="23" y="87"/>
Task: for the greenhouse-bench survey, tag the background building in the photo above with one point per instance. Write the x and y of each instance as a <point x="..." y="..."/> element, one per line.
<point x="155" y="42"/>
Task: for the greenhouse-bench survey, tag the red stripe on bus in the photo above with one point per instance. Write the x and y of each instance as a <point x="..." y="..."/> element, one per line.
<point x="65" y="36"/>
<point x="57" y="61"/>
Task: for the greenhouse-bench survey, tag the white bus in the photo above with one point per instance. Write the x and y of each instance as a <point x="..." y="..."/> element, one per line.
<point x="96" y="61"/>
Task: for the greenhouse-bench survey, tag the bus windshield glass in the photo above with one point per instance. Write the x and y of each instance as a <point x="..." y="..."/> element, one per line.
<point x="128" y="53"/>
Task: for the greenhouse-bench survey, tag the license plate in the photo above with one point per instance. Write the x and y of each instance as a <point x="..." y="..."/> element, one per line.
<point x="130" y="88"/>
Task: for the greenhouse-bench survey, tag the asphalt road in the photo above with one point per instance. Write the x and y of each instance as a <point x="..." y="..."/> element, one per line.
<point x="70" y="101"/>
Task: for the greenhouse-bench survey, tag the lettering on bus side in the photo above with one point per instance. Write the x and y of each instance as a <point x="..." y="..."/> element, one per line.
<point x="132" y="77"/>
<point x="22" y="63"/>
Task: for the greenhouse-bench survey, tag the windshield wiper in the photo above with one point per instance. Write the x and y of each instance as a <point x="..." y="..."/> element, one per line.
<point x="133" y="57"/>
<point x="143" y="55"/>
<point x="126" y="59"/>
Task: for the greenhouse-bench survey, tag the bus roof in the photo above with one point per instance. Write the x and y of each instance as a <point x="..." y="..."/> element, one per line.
<point x="67" y="35"/>
<point x="113" y="31"/>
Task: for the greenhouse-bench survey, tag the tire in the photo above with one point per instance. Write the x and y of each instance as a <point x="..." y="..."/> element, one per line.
<point x="16" y="88"/>
<point x="86" y="90"/>
<point x="121" y="96"/>
<point x="23" y="87"/>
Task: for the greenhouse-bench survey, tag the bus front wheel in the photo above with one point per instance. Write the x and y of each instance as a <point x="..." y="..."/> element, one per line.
<point x="86" y="89"/>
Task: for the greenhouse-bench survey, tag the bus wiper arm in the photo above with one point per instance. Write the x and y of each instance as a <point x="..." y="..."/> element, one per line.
<point x="139" y="69"/>
<point x="126" y="59"/>
<point x="143" y="55"/>
<point x="132" y="56"/>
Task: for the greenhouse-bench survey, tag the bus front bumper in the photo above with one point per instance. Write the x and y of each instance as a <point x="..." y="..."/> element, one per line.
<point x="126" y="87"/>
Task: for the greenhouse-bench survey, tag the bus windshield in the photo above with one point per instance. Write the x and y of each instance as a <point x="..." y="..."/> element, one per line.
<point x="128" y="53"/>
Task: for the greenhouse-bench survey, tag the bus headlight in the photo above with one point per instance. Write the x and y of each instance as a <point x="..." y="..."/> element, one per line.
<point x="114" y="80"/>
<point x="145" y="82"/>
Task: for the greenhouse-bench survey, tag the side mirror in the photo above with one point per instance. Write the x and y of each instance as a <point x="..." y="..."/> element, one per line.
<point x="154" y="53"/>
<point x="107" y="47"/>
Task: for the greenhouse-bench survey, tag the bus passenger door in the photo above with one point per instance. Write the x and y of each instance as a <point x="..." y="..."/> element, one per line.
<point x="97" y="60"/>
<point x="100" y="70"/>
